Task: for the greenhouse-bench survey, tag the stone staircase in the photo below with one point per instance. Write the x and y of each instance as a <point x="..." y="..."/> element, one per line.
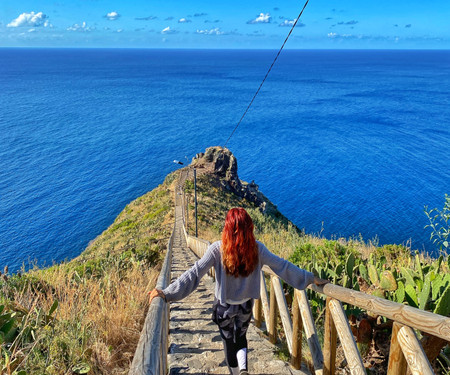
<point x="195" y="345"/>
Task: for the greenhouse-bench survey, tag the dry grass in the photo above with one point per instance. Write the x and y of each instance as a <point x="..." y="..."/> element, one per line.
<point x="98" y="321"/>
<point x="102" y="296"/>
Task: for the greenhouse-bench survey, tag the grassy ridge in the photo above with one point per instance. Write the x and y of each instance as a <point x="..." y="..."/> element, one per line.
<point x="85" y="316"/>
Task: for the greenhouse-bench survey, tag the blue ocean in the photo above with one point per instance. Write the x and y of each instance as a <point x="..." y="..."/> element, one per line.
<point x="345" y="143"/>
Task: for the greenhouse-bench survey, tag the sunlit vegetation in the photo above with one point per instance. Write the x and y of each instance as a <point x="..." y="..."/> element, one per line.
<point x="85" y="316"/>
<point x="394" y="272"/>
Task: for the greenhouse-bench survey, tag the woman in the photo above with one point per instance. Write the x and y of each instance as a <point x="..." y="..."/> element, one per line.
<point x="237" y="261"/>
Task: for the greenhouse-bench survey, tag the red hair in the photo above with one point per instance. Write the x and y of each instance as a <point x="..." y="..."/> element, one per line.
<point x="239" y="248"/>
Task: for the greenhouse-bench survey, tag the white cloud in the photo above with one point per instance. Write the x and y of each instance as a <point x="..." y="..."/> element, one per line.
<point x="30" y="19"/>
<point x="262" y="18"/>
<point x="81" y="28"/>
<point x="288" y="22"/>
<point x="119" y="30"/>
<point x="184" y="20"/>
<point x="215" y="31"/>
<point x="168" y="30"/>
<point x="148" y="18"/>
<point x="356" y="37"/>
<point x="112" y="16"/>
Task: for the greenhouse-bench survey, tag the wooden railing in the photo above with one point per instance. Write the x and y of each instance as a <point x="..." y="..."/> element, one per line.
<point x="150" y="357"/>
<point x="405" y="350"/>
<point x="199" y="247"/>
<point x="151" y="353"/>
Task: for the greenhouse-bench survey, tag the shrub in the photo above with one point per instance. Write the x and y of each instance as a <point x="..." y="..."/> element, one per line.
<point x="440" y="225"/>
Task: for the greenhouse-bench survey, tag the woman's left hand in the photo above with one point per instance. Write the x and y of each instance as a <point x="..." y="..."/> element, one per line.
<point x="156" y="293"/>
<point x="318" y="281"/>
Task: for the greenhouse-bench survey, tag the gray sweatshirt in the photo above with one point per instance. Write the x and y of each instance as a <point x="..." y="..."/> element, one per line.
<point x="229" y="288"/>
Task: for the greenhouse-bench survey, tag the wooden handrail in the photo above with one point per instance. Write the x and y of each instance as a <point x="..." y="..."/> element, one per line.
<point x="150" y="357"/>
<point x="151" y="352"/>
<point x="434" y="324"/>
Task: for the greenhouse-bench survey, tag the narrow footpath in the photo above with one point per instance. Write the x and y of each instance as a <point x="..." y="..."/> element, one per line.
<point x="195" y="345"/>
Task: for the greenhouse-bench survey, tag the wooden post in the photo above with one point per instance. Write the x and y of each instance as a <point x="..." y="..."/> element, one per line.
<point x="329" y="342"/>
<point x="195" y="198"/>
<point x="415" y="356"/>
<point x="167" y="334"/>
<point x="164" y="343"/>
<point x="351" y="352"/>
<point x="186" y="204"/>
<point x="283" y="310"/>
<point x="265" y="301"/>
<point x="310" y="331"/>
<point x="296" y="358"/>
<point x="272" y="313"/>
<point x="257" y="312"/>
<point x="397" y="362"/>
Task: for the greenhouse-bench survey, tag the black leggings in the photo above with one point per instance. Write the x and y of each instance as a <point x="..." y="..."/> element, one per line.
<point x="233" y="321"/>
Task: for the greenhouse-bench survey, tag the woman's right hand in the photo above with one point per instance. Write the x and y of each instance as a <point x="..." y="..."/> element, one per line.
<point x="156" y="293"/>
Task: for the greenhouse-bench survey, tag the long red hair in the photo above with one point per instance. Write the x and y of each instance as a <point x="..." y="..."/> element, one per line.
<point x="239" y="248"/>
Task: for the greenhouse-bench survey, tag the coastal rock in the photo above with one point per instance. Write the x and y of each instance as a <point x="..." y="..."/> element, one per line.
<point x="221" y="163"/>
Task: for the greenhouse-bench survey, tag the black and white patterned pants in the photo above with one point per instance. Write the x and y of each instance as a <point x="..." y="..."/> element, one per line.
<point x="233" y="321"/>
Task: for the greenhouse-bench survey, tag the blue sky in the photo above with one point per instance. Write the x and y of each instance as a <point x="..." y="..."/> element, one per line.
<point x="232" y="24"/>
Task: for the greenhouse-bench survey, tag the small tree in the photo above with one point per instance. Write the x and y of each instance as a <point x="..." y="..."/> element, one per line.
<point x="440" y="225"/>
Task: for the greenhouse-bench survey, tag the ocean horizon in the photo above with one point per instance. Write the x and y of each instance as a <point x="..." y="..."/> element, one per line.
<point x="347" y="143"/>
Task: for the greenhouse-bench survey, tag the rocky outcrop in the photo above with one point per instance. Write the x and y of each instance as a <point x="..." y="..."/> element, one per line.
<point x="221" y="163"/>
